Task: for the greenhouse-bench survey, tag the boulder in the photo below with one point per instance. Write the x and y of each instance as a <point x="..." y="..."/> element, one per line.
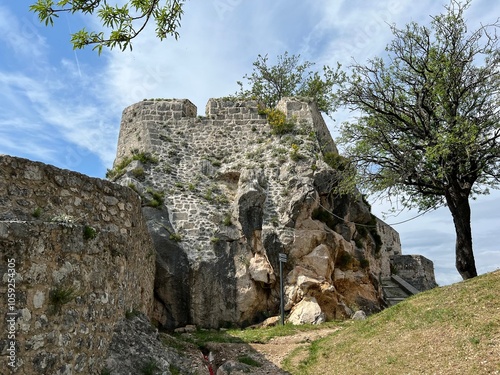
<point x="306" y="311"/>
<point x="234" y="368"/>
<point x="250" y="202"/>
<point x="359" y="315"/>
<point x="172" y="295"/>
<point x="320" y="260"/>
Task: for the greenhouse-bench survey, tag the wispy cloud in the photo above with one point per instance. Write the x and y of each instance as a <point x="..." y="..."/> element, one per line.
<point x="38" y="114"/>
<point x="20" y="36"/>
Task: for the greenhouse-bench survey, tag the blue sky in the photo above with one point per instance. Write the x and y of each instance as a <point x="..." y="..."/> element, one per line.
<point x="63" y="107"/>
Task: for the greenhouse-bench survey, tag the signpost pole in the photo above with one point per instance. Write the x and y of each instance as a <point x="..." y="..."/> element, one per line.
<point x="282" y="259"/>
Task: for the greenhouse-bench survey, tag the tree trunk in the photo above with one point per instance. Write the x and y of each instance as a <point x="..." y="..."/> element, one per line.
<point x="458" y="203"/>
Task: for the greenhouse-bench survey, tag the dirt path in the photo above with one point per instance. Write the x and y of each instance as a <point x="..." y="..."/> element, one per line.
<point x="269" y="355"/>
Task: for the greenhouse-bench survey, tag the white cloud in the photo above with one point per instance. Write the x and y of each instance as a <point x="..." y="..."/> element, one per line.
<point x="20" y="35"/>
<point x="44" y="113"/>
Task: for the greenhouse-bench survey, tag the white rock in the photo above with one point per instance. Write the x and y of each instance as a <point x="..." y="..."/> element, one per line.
<point x="261" y="270"/>
<point x="306" y="311"/>
<point x="38" y="299"/>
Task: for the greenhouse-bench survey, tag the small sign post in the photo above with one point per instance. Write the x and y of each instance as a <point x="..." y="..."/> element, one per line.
<point x="282" y="259"/>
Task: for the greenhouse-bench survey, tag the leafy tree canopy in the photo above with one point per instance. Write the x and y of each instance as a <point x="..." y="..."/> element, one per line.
<point x="429" y="129"/>
<point x="290" y="77"/>
<point x="122" y="22"/>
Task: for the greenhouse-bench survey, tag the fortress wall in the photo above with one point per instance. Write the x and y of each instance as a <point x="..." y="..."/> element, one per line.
<point x="415" y="269"/>
<point x="391" y="245"/>
<point x="192" y="149"/>
<point x="206" y="154"/>
<point x="139" y="125"/>
<point x="307" y="111"/>
<point x="71" y="286"/>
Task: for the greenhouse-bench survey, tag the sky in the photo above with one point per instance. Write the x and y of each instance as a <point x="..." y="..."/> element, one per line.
<point x="63" y="107"/>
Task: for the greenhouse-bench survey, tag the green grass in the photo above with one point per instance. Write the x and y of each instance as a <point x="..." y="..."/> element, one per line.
<point x="157" y="198"/>
<point x="227" y="220"/>
<point x="119" y="169"/>
<point x="149" y="368"/>
<point x="60" y="296"/>
<point x="176" y="237"/>
<point x="37" y="212"/>
<point x="449" y="330"/>
<point x="89" y="233"/>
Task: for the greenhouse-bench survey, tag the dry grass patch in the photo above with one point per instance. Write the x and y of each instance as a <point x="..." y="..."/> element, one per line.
<point x="449" y="330"/>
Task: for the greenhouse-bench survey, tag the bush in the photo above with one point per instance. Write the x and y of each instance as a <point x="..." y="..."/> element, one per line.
<point x="37" y="213"/>
<point x="344" y="261"/>
<point x="227" y="220"/>
<point x="157" y="198"/>
<point x="278" y="122"/>
<point x="150" y="367"/>
<point x="119" y="169"/>
<point x="364" y="263"/>
<point x="175" y="237"/>
<point x="294" y="154"/>
<point x="336" y="161"/>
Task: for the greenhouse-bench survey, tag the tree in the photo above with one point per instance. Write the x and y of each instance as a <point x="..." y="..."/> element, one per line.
<point x="124" y="22"/>
<point x="429" y="128"/>
<point x="289" y="77"/>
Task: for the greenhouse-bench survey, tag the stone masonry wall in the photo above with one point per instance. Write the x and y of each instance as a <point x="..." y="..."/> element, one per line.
<point x="82" y="257"/>
<point x="391" y="245"/>
<point x="232" y="136"/>
<point x="415" y="269"/>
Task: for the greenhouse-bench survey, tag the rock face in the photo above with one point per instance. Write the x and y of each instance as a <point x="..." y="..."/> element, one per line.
<point x="229" y="195"/>
<point x="137" y="348"/>
<point x="80" y="256"/>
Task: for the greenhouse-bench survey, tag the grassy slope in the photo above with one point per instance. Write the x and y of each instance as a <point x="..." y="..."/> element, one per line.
<point x="449" y="330"/>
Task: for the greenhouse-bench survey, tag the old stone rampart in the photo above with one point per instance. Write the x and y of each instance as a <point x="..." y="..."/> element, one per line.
<point x="82" y="257"/>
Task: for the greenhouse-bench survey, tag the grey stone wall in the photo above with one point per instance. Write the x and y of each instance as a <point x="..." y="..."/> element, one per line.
<point x="83" y="258"/>
<point x="391" y="245"/>
<point x="415" y="269"/>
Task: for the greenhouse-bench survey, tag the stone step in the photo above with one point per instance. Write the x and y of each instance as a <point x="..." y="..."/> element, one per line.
<point x="396" y="290"/>
<point x="394" y="301"/>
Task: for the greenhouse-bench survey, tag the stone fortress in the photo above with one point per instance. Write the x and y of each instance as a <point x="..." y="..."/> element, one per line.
<point x="193" y="236"/>
<point x="235" y="196"/>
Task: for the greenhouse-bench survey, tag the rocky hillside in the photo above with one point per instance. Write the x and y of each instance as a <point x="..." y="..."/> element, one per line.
<point x="224" y="194"/>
